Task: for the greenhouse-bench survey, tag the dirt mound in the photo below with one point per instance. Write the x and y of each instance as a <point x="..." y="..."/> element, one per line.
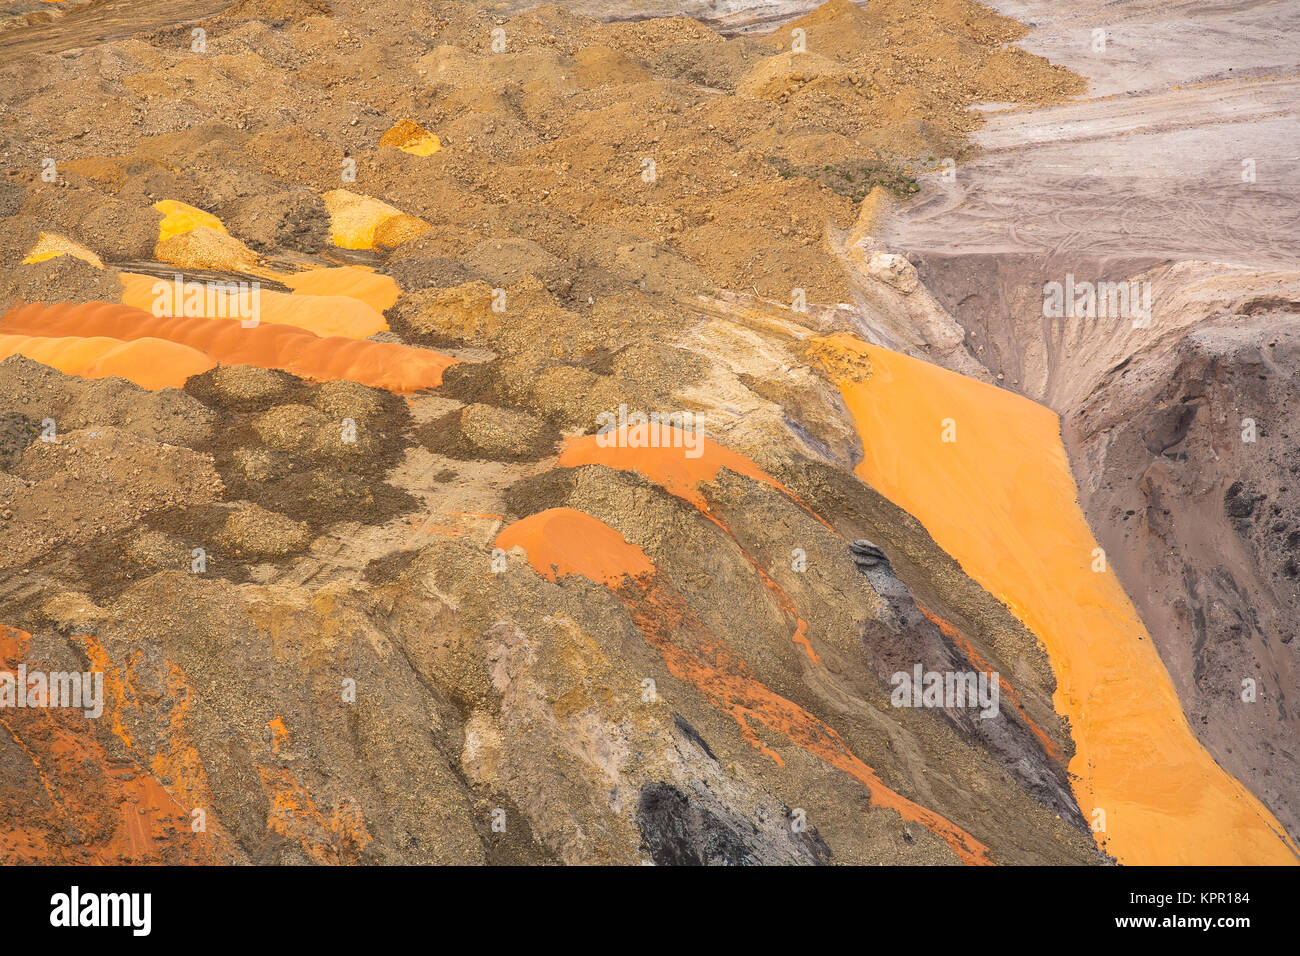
<point x="252" y="530"/>
<point x="486" y="431"/>
<point x="95" y="466"/>
<point x="39" y="392"/>
<point x="62" y="278"/>
<point x="294" y="220"/>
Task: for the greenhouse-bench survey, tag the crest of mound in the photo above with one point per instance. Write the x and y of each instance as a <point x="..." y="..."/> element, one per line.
<point x="277" y="12"/>
<point x="49" y="245"/>
<point x="598" y="65"/>
<point x="844" y="17"/>
<point x="777" y="77"/>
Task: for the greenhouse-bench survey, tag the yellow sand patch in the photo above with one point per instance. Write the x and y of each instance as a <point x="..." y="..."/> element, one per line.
<point x="150" y="363"/>
<point x="411" y="137"/>
<point x="359" y="282"/>
<point x="51" y="244"/>
<point x="178" y="218"/>
<point x="359" y="222"/>
<point x="1001" y="499"/>
<point x="325" y="315"/>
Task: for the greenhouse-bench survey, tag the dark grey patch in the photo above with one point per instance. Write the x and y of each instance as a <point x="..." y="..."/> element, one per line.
<point x="17" y="431"/>
<point x="677" y="830"/>
<point x="867" y="555"/>
<point x="428" y="272"/>
<point x="812" y="441"/>
<point x="1238" y="502"/>
<point x="677" y="833"/>
<point x="693" y="735"/>
<point x="1171" y="428"/>
<point x="12" y="196"/>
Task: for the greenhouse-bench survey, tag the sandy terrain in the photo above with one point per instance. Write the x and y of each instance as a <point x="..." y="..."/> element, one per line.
<point x="1149" y="162"/>
<point x="479" y="231"/>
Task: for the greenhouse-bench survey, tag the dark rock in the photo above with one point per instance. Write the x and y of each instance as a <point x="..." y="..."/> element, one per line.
<point x="867" y="555"/>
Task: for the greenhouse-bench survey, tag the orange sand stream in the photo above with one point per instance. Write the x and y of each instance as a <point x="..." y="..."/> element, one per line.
<point x="1001" y="499"/>
<point x="122" y="810"/>
<point x="149" y="362"/>
<point x="341" y="315"/>
<point x="380" y="292"/>
<point x="563" y="541"/>
<point x="155" y="363"/>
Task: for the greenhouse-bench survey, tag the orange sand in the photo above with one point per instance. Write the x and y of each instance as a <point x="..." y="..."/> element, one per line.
<point x="325" y="315"/>
<point x="564" y="541"/>
<point x="50" y="245"/>
<point x="665" y="466"/>
<point x="398" y="368"/>
<point x="180" y="218"/>
<point x="1002" y="501"/>
<point x="380" y="292"/>
<point x="411" y="137"/>
<point x="361" y="222"/>
<point x="150" y="363"/>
